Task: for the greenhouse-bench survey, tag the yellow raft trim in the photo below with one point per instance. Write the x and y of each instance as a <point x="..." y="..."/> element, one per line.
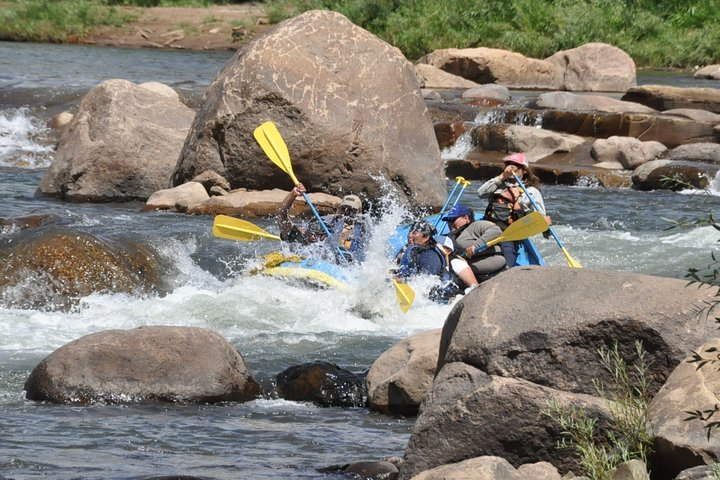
<point x="306" y="274"/>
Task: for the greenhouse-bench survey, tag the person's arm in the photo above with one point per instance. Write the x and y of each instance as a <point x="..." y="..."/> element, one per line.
<point x="536" y="196"/>
<point x="484" y="231"/>
<point x="488" y="188"/>
<point x="283" y="213"/>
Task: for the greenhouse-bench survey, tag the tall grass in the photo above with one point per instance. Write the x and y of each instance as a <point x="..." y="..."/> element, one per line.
<point x="655" y="33"/>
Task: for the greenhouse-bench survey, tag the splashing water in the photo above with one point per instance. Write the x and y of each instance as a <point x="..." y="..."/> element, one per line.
<point x="24" y="140"/>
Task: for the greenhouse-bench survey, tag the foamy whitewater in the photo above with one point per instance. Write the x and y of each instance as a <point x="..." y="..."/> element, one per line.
<point x="275" y="324"/>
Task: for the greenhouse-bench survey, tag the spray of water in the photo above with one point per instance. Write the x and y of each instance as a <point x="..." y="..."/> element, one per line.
<point x="24" y="140"/>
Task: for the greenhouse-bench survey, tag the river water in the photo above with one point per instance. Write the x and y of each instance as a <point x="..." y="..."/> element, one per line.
<point x="274" y="325"/>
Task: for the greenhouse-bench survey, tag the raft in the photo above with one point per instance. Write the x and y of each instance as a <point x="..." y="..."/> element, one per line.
<point x="314" y="272"/>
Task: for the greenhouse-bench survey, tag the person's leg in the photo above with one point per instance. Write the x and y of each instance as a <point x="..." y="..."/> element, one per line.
<point x="509" y="251"/>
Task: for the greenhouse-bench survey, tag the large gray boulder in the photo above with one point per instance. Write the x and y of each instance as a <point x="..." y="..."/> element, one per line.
<point x="122" y="145"/>
<point x="400" y="377"/>
<point x="492" y="65"/>
<point x="595" y="67"/>
<point x="502" y="356"/>
<point x="629" y="152"/>
<point x="169" y="364"/>
<point x="681" y="443"/>
<point x="347" y="104"/>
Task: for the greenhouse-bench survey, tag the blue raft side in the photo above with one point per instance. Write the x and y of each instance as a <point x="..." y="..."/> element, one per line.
<point x="528" y="254"/>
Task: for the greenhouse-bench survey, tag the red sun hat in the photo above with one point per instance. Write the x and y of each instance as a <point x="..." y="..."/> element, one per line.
<point x="517" y="159"/>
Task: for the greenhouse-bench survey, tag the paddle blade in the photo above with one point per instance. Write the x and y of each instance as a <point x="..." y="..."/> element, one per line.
<point x="272" y="143"/>
<point x="236" y="229"/>
<point x="571" y="261"/>
<point x="405" y="295"/>
<point x="524" y="227"/>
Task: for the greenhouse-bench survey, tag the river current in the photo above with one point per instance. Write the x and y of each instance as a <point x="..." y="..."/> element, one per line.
<point x="274" y="324"/>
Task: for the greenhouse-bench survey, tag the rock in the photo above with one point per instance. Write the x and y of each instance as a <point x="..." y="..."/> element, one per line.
<point x="347" y="116"/>
<point x="498" y="93"/>
<point x="468" y="413"/>
<point x="631" y="470"/>
<point x="629" y="152"/>
<point x="168" y="199"/>
<point x="433" y="77"/>
<point x="538" y="143"/>
<point x="322" y="383"/>
<point x="695" y="114"/>
<point x="681" y="444"/>
<point x="162" y="89"/>
<point x="490" y="65"/>
<point x="696" y="152"/>
<point x="663" y="97"/>
<point x="710" y="72"/>
<point x="490" y="468"/>
<point x="402" y="375"/>
<point x="167" y="364"/>
<point x="431" y="95"/>
<point x="122" y="145"/>
<point x="704" y="472"/>
<point x="60" y="121"/>
<point x="501" y="360"/>
<point x="262" y="203"/>
<point x="572" y="102"/>
<point x="595" y="67"/>
<point x="211" y="179"/>
<point x="673" y="175"/>
<point x="53" y="268"/>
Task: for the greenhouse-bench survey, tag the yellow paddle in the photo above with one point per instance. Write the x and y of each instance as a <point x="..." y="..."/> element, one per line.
<point x="272" y="143"/>
<point x="522" y="228"/>
<point x="405" y="295"/>
<point x="236" y="229"/>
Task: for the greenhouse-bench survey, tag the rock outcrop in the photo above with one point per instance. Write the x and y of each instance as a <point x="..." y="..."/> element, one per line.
<point x="167" y="364"/>
<point x="347" y="105"/>
<point x="122" y="145"/>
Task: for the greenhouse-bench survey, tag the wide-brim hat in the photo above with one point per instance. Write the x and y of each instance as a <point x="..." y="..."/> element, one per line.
<point x="446" y="242"/>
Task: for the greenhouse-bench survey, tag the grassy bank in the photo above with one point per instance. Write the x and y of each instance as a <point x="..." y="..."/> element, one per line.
<point x="655" y="33"/>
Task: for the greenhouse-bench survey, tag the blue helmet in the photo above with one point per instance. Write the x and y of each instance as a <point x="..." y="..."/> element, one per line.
<point x="457" y="211"/>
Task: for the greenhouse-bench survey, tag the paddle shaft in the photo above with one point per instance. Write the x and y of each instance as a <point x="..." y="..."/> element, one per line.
<point x="569" y="259"/>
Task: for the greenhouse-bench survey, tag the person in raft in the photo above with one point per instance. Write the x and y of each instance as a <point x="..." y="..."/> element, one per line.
<point x="306" y="234"/>
<point x="348" y="227"/>
<point x="507" y="201"/>
<point x="423" y="255"/>
<point x="470" y="238"/>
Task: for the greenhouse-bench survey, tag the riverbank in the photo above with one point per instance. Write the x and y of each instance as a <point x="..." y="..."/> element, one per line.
<point x="219" y="27"/>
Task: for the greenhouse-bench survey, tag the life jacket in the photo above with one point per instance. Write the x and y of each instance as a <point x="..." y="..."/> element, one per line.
<point x="348" y="233"/>
<point x="504" y="206"/>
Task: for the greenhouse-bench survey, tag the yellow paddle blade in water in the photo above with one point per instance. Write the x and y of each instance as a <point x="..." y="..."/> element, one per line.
<point x="405" y="295"/>
<point x="236" y="229"/>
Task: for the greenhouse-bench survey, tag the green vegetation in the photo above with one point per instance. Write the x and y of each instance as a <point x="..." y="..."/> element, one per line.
<point x="55" y="21"/>
<point x="655" y="33"/>
<point x="627" y="399"/>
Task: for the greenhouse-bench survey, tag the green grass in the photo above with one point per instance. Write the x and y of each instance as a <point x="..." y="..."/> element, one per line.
<point x="55" y="20"/>
<point x="655" y="33"/>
